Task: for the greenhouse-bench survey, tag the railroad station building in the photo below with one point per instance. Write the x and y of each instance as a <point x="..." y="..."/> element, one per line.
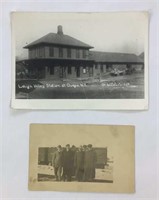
<point x="57" y="55"/>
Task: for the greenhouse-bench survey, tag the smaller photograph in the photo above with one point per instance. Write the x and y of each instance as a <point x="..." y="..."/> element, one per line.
<point x="84" y="163"/>
<point x="81" y="158"/>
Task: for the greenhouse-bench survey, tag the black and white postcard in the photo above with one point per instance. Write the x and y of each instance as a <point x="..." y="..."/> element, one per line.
<point x="80" y="60"/>
<point x="82" y="158"/>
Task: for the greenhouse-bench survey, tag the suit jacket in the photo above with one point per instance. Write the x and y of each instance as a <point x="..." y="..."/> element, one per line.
<point x="57" y="159"/>
<point x="67" y="159"/>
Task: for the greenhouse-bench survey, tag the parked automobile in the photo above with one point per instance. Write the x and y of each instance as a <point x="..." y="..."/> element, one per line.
<point x="117" y="72"/>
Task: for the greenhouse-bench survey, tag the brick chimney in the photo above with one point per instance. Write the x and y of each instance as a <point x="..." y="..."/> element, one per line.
<point x="59" y="30"/>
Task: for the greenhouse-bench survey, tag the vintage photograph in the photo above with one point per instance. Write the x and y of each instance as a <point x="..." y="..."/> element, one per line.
<point x="81" y="158"/>
<point x="70" y="163"/>
<point x="91" y="56"/>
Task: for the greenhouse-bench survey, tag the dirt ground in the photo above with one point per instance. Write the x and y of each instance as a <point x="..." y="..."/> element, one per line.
<point x="120" y="87"/>
<point x="46" y="173"/>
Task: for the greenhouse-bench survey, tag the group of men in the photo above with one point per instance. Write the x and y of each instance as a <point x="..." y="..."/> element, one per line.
<point x="79" y="162"/>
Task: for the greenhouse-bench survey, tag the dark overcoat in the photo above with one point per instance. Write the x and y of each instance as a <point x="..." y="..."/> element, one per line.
<point x="79" y="165"/>
<point x="79" y="160"/>
<point x="89" y="164"/>
<point x="67" y="159"/>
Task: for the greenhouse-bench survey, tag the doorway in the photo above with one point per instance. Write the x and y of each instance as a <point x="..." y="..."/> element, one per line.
<point x="78" y="72"/>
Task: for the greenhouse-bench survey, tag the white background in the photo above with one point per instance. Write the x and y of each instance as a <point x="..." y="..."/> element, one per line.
<point x="15" y="123"/>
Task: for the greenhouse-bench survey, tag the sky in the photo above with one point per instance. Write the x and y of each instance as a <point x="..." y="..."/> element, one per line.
<point x="49" y="135"/>
<point x="115" y="138"/>
<point x="110" y="32"/>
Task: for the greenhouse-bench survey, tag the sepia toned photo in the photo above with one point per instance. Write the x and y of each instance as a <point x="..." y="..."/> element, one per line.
<point x="60" y="58"/>
<point x="84" y="163"/>
<point x="81" y="158"/>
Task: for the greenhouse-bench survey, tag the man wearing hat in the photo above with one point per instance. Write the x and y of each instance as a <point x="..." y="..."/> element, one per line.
<point x="79" y="164"/>
<point x="89" y="164"/>
<point x="67" y="163"/>
<point x="73" y="150"/>
<point x="57" y="161"/>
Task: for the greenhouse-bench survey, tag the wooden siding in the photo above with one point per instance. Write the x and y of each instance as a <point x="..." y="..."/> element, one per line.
<point x="44" y="52"/>
<point x="69" y="72"/>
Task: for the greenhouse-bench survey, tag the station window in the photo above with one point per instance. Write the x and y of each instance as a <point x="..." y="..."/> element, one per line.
<point x="84" y="53"/>
<point x="31" y="53"/>
<point x="41" y="51"/>
<point x="51" y="51"/>
<point x="36" y="52"/>
<point x="60" y="52"/>
<point x="77" y="53"/>
<point x="68" y="53"/>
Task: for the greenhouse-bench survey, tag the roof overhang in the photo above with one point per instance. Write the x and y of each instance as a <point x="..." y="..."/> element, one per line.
<point x="45" y="61"/>
<point x="117" y="62"/>
<point x="42" y="61"/>
<point x="29" y="46"/>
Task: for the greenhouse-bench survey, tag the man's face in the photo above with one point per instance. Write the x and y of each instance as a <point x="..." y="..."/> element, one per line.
<point x="73" y="148"/>
<point x="58" y="148"/>
<point x="90" y="147"/>
<point x="67" y="148"/>
<point x="80" y="148"/>
<point x="84" y="148"/>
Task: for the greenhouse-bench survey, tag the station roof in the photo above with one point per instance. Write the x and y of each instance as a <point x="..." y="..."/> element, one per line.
<point x="112" y="57"/>
<point x="59" y="39"/>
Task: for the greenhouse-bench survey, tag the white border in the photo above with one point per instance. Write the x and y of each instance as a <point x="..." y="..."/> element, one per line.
<point x="84" y="104"/>
<point x="14" y="140"/>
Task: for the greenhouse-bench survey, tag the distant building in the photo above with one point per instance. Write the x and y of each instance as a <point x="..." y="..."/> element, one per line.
<point x="57" y="55"/>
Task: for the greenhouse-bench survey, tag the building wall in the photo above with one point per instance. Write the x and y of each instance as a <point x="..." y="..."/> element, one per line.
<point x="38" y="52"/>
<point x="99" y="69"/>
<point x="83" y="71"/>
<point x="44" y="52"/>
<point x="137" y="67"/>
<point x="55" y="75"/>
<point x="96" y="70"/>
<point x="119" y="66"/>
<point x="68" y="72"/>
